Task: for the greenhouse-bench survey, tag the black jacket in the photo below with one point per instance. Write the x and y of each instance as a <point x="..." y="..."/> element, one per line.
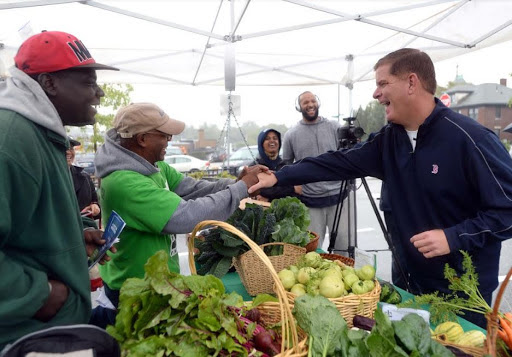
<point x="84" y="187"/>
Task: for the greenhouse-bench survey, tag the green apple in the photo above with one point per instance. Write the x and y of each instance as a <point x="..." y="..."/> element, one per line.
<point x="298" y="289"/>
<point x="304" y="274"/>
<point x="369" y="284"/>
<point x="349" y="280"/>
<point x="287" y="278"/>
<point x="313" y="259"/>
<point x="332" y="272"/>
<point x="294" y="269"/>
<point x="367" y="272"/>
<point x="358" y="288"/>
<point x="331" y="287"/>
<point x="348" y="270"/>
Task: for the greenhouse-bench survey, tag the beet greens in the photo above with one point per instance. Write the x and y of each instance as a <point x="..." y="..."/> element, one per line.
<point x="167" y="314"/>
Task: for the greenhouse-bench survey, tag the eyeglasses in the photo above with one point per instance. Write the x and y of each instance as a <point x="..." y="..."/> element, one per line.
<point x="156" y="132"/>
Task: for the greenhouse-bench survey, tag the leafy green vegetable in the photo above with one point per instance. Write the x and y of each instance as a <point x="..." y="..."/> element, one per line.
<point x="465" y="295"/>
<point x="320" y="319"/>
<point x="413" y="333"/>
<point x="291" y="207"/>
<point x="166" y="314"/>
<point x="285" y="221"/>
<point x="329" y="335"/>
<point x="261" y="298"/>
<point x="408" y="337"/>
<point x="288" y="232"/>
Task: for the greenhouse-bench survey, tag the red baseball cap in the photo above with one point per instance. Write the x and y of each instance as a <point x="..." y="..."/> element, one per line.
<point x="51" y="51"/>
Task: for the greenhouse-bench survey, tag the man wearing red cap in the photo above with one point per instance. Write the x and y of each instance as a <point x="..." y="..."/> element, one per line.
<point x="43" y="262"/>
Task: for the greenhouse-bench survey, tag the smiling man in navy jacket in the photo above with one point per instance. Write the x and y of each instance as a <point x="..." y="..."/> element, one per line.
<point x="449" y="178"/>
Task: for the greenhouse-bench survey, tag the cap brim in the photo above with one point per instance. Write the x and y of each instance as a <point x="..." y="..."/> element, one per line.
<point x="74" y="143"/>
<point x="172" y="127"/>
<point x="97" y="66"/>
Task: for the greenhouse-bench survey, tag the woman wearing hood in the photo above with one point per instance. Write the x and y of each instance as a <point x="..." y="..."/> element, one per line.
<point x="269" y="144"/>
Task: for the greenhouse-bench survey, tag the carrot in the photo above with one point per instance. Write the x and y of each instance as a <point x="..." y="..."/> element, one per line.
<point x="503" y="336"/>
<point x="507" y="329"/>
<point x="508" y="318"/>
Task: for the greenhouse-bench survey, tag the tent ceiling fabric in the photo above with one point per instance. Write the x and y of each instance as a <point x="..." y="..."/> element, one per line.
<point x="276" y="42"/>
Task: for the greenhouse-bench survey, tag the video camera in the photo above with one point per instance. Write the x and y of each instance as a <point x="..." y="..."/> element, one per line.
<point x="349" y="134"/>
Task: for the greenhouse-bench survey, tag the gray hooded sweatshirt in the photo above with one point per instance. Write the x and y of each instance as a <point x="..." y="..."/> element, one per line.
<point x="310" y="140"/>
<point x="201" y="199"/>
<point x="23" y="95"/>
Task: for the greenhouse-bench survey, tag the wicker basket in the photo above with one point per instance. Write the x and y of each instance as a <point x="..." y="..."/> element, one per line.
<point x="254" y="276"/>
<point x="345" y="260"/>
<point x="492" y="319"/>
<point x="473" y="351"/>
<point x="489" y="348"/>
<point x="313" y="243"/>
<point x="288" y="328"/>
<point x="351" y="305"/>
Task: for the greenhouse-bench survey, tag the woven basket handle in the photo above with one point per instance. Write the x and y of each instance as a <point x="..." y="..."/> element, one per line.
<point x="288" y="327"/>
<point x="287" y="247"/>
<point x="492" y="319"/>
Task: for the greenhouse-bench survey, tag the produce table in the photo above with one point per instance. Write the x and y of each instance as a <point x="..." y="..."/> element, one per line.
<point x="233" y="284"/>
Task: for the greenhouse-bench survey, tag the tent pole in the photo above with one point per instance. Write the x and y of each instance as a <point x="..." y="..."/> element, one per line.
<point x="339" y="102"/>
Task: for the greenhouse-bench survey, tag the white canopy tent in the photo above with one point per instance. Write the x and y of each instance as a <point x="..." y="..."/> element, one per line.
<point x="272" y="42"/>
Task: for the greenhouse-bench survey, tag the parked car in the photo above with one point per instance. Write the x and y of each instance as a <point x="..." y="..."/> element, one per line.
<point x="173" y="150"/>
<point x="186" y="163"/>
<point x="86" y="161"/>
<point x="244" y="156"/>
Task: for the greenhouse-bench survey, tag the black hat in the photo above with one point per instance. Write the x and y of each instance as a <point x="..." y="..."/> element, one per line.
<point x="73" y="142"/>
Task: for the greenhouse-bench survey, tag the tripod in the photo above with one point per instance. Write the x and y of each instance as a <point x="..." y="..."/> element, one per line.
<point x="348" y="138"/>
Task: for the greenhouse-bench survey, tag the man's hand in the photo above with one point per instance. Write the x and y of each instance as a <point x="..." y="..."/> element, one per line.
<point x="93" y="208"/>
<point x="249" y="174"/>
<point x="93" y="241"/>
<point x="266" y="179"/>
<point x="431" y="243"/>
<point x="262" y="199"/>
<point x="252" y="169"/>
<point x="58" y="296"/>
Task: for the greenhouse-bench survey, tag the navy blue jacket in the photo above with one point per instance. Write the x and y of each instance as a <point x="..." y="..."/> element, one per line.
<point x="459" y="179"/>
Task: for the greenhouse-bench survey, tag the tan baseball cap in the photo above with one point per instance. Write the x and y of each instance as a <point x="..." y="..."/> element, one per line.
<point x="139" y="118"/>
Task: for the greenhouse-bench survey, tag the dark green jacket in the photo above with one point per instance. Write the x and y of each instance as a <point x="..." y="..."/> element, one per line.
<point x="41" y="233"/>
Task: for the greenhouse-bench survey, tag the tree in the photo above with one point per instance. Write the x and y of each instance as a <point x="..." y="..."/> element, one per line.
<point x="371" y="118"/>
<point x="116" y="96"/>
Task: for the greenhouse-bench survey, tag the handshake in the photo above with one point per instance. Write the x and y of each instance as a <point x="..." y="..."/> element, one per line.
<point x="257" y="177"/>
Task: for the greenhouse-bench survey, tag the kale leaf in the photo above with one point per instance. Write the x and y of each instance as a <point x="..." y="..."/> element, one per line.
<point x="320" y="319"/>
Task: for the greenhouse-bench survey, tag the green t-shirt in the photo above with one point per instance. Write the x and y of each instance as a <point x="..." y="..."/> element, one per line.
<point x="146" y="203"/>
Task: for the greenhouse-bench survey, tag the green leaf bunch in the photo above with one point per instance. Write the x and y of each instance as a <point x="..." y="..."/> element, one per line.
<point x="464" y="296"/>
<point x="285" y="221"/>
<point x="407" y="337"/>
<point x="167" y="314"/>
<point x="292" y="208"/>
<point x="323" y="323"/>
<point x="329" y="335"/>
